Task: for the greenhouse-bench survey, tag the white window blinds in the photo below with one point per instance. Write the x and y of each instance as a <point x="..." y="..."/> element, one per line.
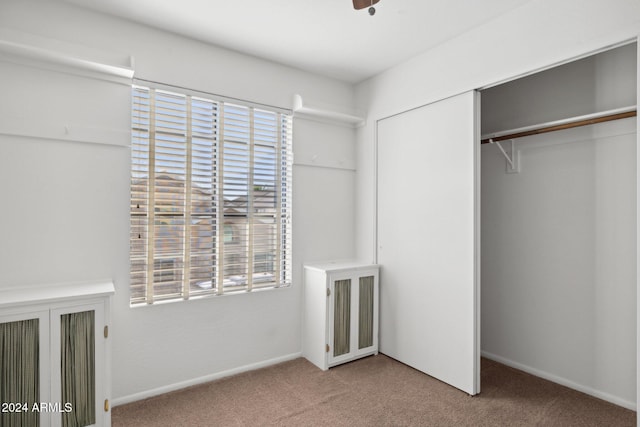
<point x="210" y="197"/>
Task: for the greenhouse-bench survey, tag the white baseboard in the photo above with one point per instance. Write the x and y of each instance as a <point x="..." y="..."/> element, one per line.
<point x="207" y="378"/>
<point x="562" y="381"/>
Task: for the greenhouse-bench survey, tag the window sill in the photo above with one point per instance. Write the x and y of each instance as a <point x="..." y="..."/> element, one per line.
<point x="210" y="296"/>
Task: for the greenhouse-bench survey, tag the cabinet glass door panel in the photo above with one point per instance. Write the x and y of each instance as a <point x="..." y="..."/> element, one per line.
<point x="342" y="317"/>
<point x="77" y="341"/>
<point x="365" y="313"/>
<point x="19" y="372"/>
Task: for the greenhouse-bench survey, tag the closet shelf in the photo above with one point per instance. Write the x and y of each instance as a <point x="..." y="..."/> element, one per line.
<point x="572" y="122"/>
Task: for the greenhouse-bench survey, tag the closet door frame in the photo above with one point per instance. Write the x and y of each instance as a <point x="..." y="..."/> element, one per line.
<point x="613" y="45"/>
<point x="637" y="40"/>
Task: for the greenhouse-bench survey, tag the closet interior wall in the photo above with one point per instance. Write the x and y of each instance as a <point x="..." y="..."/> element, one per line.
<point x="559" y="238"/>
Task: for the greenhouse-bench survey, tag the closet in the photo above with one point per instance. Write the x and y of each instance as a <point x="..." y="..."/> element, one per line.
<point x="558" y="221"/>
<point x="522" y="250"/>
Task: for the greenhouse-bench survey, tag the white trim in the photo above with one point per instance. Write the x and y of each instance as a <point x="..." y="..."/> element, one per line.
<point x="375" y="192"/>
<point x="477" y="250"/>
<point x="562" y="381"/>
<point x="637" y="232"/>
<point x="72" y="132"/>
<point x="201" y="380"/>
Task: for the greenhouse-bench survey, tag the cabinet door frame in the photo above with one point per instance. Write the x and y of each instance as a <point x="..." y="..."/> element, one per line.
<point x="98" y="308"/>
<point x="333" y="278"/>
<point x="354" y="352"/>
<point x="44" y="360"/>
<point x="373" y="348"/>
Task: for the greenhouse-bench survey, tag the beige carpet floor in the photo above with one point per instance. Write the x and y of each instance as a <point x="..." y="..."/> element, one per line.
<point x="374" y="391"/>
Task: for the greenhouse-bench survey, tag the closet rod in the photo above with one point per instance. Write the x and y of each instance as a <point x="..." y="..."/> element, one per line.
<point x="589" y="119"/>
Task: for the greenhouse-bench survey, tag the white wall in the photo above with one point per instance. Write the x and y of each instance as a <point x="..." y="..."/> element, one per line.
<point x="325" y="203"/>
<point x="66" y="224"/>
<point x="558" y="239"/>
<point x="535" y="36"/>
<point x="597" y="83"/>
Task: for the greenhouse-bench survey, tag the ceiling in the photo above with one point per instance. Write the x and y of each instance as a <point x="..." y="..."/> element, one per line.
<point x="327" y="37"/>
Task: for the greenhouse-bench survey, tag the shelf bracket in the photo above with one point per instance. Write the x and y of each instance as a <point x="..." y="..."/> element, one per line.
<point x="513" y="159"/>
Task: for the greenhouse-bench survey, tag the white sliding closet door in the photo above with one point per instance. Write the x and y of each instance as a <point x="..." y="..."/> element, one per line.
<point x="428" y="239"/>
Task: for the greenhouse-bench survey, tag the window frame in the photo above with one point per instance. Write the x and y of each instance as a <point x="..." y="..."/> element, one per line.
<point x="268" y="174"/>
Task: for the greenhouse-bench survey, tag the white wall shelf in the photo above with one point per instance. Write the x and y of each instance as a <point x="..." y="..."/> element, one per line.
<point x="29" y="49"/>
<point x="324" y="114"/>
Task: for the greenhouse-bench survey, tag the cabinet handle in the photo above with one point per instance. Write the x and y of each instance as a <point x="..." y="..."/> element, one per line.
<point x="327" y="348"/>
<point x="106" y="405"/>
<point x="328" y="292"/>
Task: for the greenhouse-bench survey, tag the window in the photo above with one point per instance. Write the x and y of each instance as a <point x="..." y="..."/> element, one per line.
<point x="210" y="197"/>
<point x="228" y="233"/>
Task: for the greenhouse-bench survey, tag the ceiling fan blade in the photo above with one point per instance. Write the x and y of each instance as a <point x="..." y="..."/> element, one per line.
<point x="361" y="4"/>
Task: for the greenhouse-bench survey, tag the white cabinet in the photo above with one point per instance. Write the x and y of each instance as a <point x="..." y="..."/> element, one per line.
<point x="55" y="340"/>
<point x="340" y="312"/>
